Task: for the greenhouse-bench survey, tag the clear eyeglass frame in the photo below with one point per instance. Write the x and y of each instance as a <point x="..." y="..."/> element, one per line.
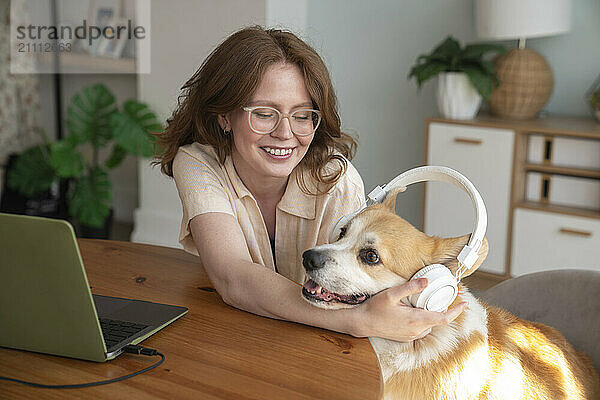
<point x="281" y="116"/>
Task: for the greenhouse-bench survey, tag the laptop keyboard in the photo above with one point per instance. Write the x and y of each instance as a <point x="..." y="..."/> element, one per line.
<point x="115" y="331"/>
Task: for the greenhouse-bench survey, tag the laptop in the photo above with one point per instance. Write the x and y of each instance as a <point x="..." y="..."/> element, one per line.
<point x="45" y="301"/>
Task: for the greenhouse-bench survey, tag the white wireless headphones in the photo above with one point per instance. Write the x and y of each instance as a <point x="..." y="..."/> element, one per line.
<point x="443" y="286"/>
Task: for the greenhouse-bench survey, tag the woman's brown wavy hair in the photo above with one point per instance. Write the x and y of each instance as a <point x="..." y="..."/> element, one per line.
<point x="226" y="81"/>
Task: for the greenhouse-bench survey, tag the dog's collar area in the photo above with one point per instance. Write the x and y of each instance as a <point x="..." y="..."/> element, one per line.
<point x="314" y="291"/>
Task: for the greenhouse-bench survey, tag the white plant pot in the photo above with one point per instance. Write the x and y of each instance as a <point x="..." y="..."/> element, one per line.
<point x="457" y="98"/>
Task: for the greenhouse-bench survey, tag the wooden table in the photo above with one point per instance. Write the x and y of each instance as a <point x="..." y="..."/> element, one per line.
<point x="213" y="352"/>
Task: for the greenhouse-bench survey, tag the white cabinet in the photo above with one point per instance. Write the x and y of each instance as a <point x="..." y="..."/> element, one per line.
<point x="484" y="156"/>
<point x="539" y="179"/>
<point x="544" y="241"/>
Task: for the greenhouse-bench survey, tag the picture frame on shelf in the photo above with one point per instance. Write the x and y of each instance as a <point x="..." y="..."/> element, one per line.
<point x="101" y="13"/>
<point x="112" y="47"/>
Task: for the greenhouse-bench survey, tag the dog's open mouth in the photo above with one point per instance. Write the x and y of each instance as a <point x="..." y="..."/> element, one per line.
<point x="313" y="291"/>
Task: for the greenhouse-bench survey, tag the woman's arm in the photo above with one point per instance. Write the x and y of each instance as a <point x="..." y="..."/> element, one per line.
<point x="256" y="289"/>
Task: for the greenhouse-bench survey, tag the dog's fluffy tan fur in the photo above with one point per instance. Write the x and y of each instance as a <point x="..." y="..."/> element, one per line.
<point x="486" y="353"/>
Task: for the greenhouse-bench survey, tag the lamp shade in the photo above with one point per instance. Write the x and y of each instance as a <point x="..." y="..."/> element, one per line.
<point x="515" y="19"/>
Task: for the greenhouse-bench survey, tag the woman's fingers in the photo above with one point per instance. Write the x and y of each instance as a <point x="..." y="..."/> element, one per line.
<point x="407" y="289"/>
<point x="426" y="320"/>
<point x="385" y="315"/>
<point x="423" y="334"/>
<point x="433" y="318"/>
<point x="454" y="312"/>
<point x="444" y="318"/>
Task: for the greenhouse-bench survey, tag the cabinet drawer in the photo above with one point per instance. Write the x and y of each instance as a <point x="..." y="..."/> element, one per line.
<point x="546" y="241"/>
<point x="567" y="152"/>
<point x="565" y="191"/>
<point x="484" y="156"/>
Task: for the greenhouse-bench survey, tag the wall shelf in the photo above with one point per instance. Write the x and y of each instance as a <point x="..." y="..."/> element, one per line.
<point x="566" y="171"/>
<point x="557" y="209"/>
<point x="553" y="125"/>
<point x="71" y="62"/>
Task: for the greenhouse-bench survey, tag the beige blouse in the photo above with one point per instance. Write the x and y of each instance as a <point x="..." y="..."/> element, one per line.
<point x="302" y="220"/>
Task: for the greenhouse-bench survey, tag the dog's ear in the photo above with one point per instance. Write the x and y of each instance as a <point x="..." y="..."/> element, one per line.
<point x="445" y="250"/>
<point x="390" y="199"/>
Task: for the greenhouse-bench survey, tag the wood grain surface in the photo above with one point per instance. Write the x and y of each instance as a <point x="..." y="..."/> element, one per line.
<point x="213" y="352"/>
<point x="586" y="127"/>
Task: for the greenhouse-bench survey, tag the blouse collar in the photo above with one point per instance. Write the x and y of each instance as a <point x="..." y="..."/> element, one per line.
<point x="294" y="200"/>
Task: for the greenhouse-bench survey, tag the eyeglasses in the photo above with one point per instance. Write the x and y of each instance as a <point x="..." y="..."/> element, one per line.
<point x="264" y="120"/>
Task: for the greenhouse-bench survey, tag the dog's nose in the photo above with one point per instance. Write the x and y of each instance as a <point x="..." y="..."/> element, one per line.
<point x="312" y="260"/>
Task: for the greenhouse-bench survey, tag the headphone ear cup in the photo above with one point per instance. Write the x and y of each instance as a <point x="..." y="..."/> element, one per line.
<point x="441" y="289"/>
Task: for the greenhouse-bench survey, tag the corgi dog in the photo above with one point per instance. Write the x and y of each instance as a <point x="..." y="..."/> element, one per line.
<point x="485" y="353"/>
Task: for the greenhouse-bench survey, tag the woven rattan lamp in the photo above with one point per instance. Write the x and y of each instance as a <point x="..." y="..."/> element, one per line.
<point x="526" y="79"/>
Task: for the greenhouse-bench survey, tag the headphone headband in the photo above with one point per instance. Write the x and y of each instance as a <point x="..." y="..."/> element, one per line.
<point x="468" y="255"/>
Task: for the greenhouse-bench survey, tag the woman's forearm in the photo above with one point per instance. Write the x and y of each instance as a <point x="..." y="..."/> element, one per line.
<point x="255" y="289"/>
<point x="260" y="291"/>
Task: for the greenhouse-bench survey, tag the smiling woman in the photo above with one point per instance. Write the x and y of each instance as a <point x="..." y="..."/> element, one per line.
<point x="263" y="172"/>
<point x="263" y="148"/>
<point x="261" y="110"/>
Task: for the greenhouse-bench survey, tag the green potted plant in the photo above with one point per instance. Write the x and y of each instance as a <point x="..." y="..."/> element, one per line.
<point x="594" y="100"/>
<point x="94" y="122"/>
<point x="465" y="76"/>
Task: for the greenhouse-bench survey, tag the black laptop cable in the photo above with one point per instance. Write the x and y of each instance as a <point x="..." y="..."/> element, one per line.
<point x="127" y="349"/>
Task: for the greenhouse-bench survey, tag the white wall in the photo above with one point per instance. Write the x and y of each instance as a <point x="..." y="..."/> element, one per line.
<point x="574" y="58"/>
<point x="287" y="14"/>
<point x="369" y="48"/>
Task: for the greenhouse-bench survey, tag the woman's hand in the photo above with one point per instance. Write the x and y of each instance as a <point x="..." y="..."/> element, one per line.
<point x="385" y="316"/>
